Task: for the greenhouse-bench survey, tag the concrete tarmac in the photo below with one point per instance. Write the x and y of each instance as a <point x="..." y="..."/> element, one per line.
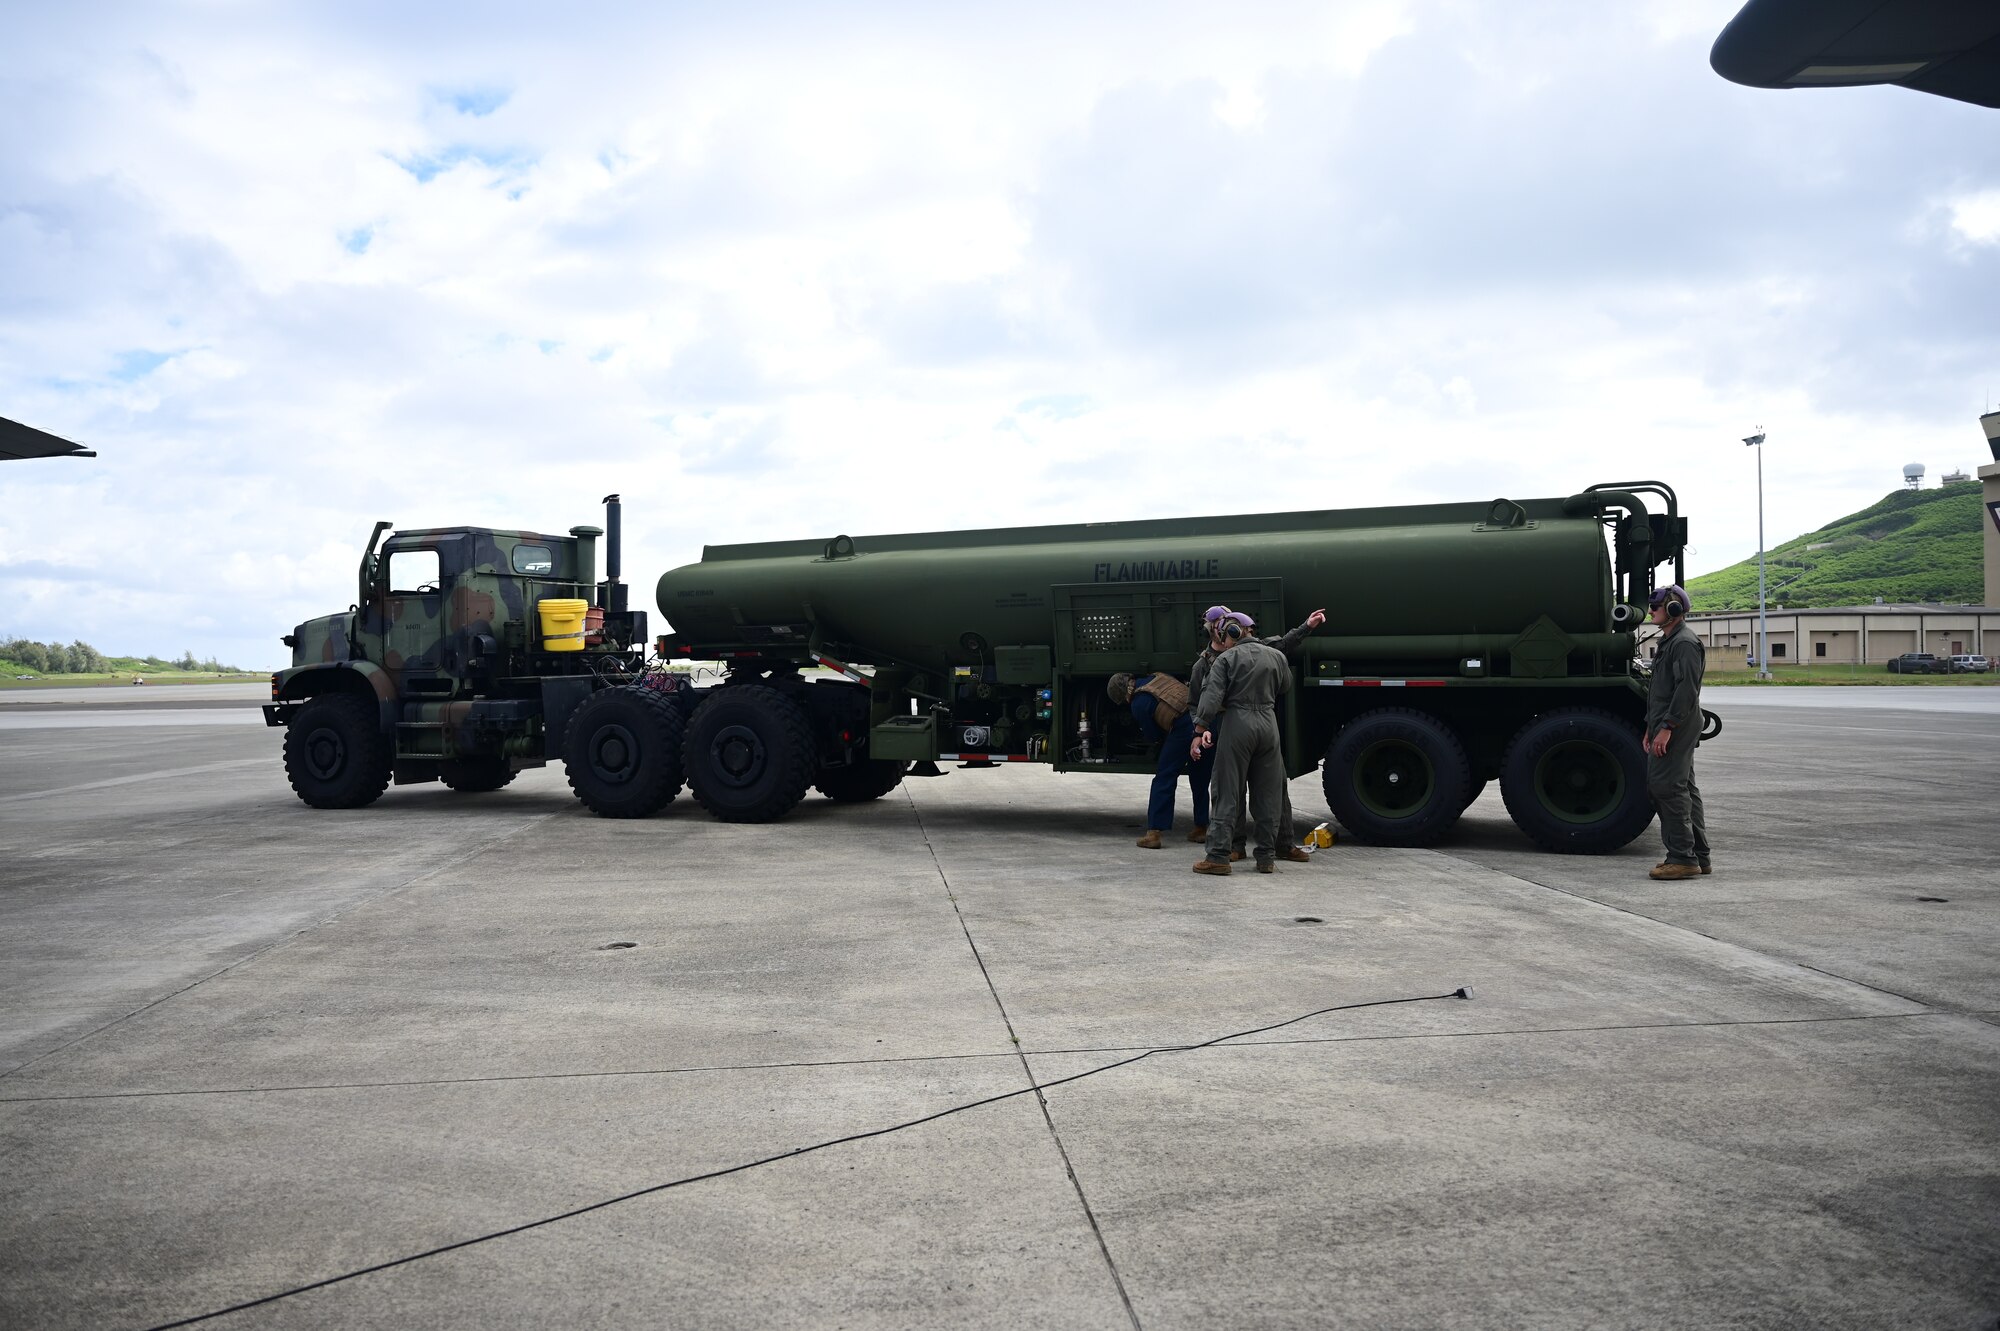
<point x="246" y="1046"/>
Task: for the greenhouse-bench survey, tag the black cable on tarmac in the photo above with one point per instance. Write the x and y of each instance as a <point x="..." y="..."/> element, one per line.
<point x="787" y="1155"/>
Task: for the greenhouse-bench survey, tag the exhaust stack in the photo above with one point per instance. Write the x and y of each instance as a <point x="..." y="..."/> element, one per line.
<point x="586" y="562"/>
<point x="614" y="531"/>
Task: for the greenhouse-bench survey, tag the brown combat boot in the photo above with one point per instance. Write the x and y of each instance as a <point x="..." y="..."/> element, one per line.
<point x="1296" y="854"/>
<point x="1267" y="866"/>
<point x="1150" y="841"/>
<point x="1674" y="872"/>
<point x="1199" y="832"/>
<point x="1206" y="865"/>
<point x="1235" y="855"/>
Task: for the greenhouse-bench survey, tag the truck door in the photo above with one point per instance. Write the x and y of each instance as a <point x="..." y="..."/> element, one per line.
<point x="479" y="599"/>
<point x="413" y="610"/>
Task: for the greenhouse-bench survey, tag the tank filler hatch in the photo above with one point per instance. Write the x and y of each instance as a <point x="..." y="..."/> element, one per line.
<point x="1504" y="515"/>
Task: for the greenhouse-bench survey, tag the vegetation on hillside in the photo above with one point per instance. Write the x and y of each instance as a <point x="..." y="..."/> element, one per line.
<point x="20" y="656"/>
<point x="1912" y="545"/>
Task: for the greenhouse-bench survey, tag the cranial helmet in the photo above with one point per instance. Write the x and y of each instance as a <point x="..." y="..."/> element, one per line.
<point x="1674" y="597"/>
<point x="1119" y="688"/>
<point x="1214" y="613"/>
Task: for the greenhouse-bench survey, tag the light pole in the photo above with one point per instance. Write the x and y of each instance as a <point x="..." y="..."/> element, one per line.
<point x="1756" y="441"/>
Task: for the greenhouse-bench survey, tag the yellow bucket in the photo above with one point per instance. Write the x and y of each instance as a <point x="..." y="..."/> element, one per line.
<point x="562" y="624"/>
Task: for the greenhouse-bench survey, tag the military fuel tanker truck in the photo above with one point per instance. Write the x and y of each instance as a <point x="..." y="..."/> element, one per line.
<point x="1464" y="643"/>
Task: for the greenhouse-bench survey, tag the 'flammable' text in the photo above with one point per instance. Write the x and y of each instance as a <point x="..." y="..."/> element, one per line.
<point x="1155" y="570"/>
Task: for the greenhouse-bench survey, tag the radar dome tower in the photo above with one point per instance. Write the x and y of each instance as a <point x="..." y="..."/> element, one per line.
<point x="1913" y="475"/>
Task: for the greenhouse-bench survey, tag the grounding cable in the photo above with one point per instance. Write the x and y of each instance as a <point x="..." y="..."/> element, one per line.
<point x="793" y="1154"/>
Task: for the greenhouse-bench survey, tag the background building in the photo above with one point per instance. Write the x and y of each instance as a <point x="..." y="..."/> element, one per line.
<point x="1872" y="634"/>
<point x="1856" y="634"/>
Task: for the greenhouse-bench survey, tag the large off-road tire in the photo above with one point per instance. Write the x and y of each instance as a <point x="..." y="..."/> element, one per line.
<point x="1574" y="780"/>
<point x="750" y="754"/>
<point x="336" y="755"/>
<point x="471" y="776"/>
<point x="623" y="752"/>
<point x="1396" y="777"/>
<point x="869" y="779"/>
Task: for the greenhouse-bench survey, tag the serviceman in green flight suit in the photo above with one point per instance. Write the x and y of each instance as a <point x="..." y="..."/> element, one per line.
<point x="1673" y="728"/>
<point x="1287" y="643"/>
<point x="1246" y="679"/>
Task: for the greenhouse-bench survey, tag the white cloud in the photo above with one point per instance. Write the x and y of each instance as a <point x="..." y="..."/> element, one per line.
<point x="1976" y="217"/>
<point x="781" y="274"/>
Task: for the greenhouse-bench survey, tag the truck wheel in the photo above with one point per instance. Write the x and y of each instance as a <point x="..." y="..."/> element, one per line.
<point x="336" y="755"/>
<point x="623" y="752"/>
<point x="750" y="754"/>
<point x="472" y="775"/>
<point x="870" y="779"/>
<point x="1396" y="777"/>
<point x="1574" y="780"/>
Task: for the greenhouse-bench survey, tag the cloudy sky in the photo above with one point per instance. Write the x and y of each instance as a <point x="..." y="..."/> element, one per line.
<point x="775" y="270"/>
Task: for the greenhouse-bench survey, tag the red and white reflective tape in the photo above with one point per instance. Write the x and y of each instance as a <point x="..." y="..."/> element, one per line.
<point x="843" y="670"/>
<point x="1383" y="683"/>
<point x="986" y="758"/>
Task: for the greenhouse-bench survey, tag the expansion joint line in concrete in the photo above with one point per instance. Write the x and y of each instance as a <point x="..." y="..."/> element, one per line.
<point x="274" y="945"/>
<point x="1035" y="1089"/>
<point x="1720" y="942"/>
<point x="695" y="1069"/>
<point x="1027" y="1070"/>
<point x="172" y="773"/>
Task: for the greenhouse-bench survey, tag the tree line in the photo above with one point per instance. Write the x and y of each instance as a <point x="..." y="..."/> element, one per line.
<point x="80" y="658"/>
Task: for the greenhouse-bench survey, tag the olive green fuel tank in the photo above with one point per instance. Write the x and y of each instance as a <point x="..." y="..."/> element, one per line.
<point x="1433" y="569"/>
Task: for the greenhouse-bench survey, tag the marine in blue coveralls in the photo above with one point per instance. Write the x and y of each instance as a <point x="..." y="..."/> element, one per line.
<point x="1174" y="739"/>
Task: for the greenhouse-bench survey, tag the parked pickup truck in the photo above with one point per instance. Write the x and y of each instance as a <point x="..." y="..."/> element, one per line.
<point x="1917" y="663"/>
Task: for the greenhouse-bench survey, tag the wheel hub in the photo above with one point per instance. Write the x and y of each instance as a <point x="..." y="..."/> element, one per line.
<point x="326" y="753"/>
<point x="614" y="754"/>
<point x="1579" y="781"/>
<point x="1394" y="778"/>
<point x="737" y="756"/>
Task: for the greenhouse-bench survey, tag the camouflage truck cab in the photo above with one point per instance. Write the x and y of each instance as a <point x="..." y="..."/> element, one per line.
<point x="439" y="671"/>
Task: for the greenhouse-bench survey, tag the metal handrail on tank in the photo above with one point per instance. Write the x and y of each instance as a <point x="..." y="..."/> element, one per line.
<point x="1660" y="488"/>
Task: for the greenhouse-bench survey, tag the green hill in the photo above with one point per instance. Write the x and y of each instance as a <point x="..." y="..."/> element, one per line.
<point x="1912" y="545"/>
